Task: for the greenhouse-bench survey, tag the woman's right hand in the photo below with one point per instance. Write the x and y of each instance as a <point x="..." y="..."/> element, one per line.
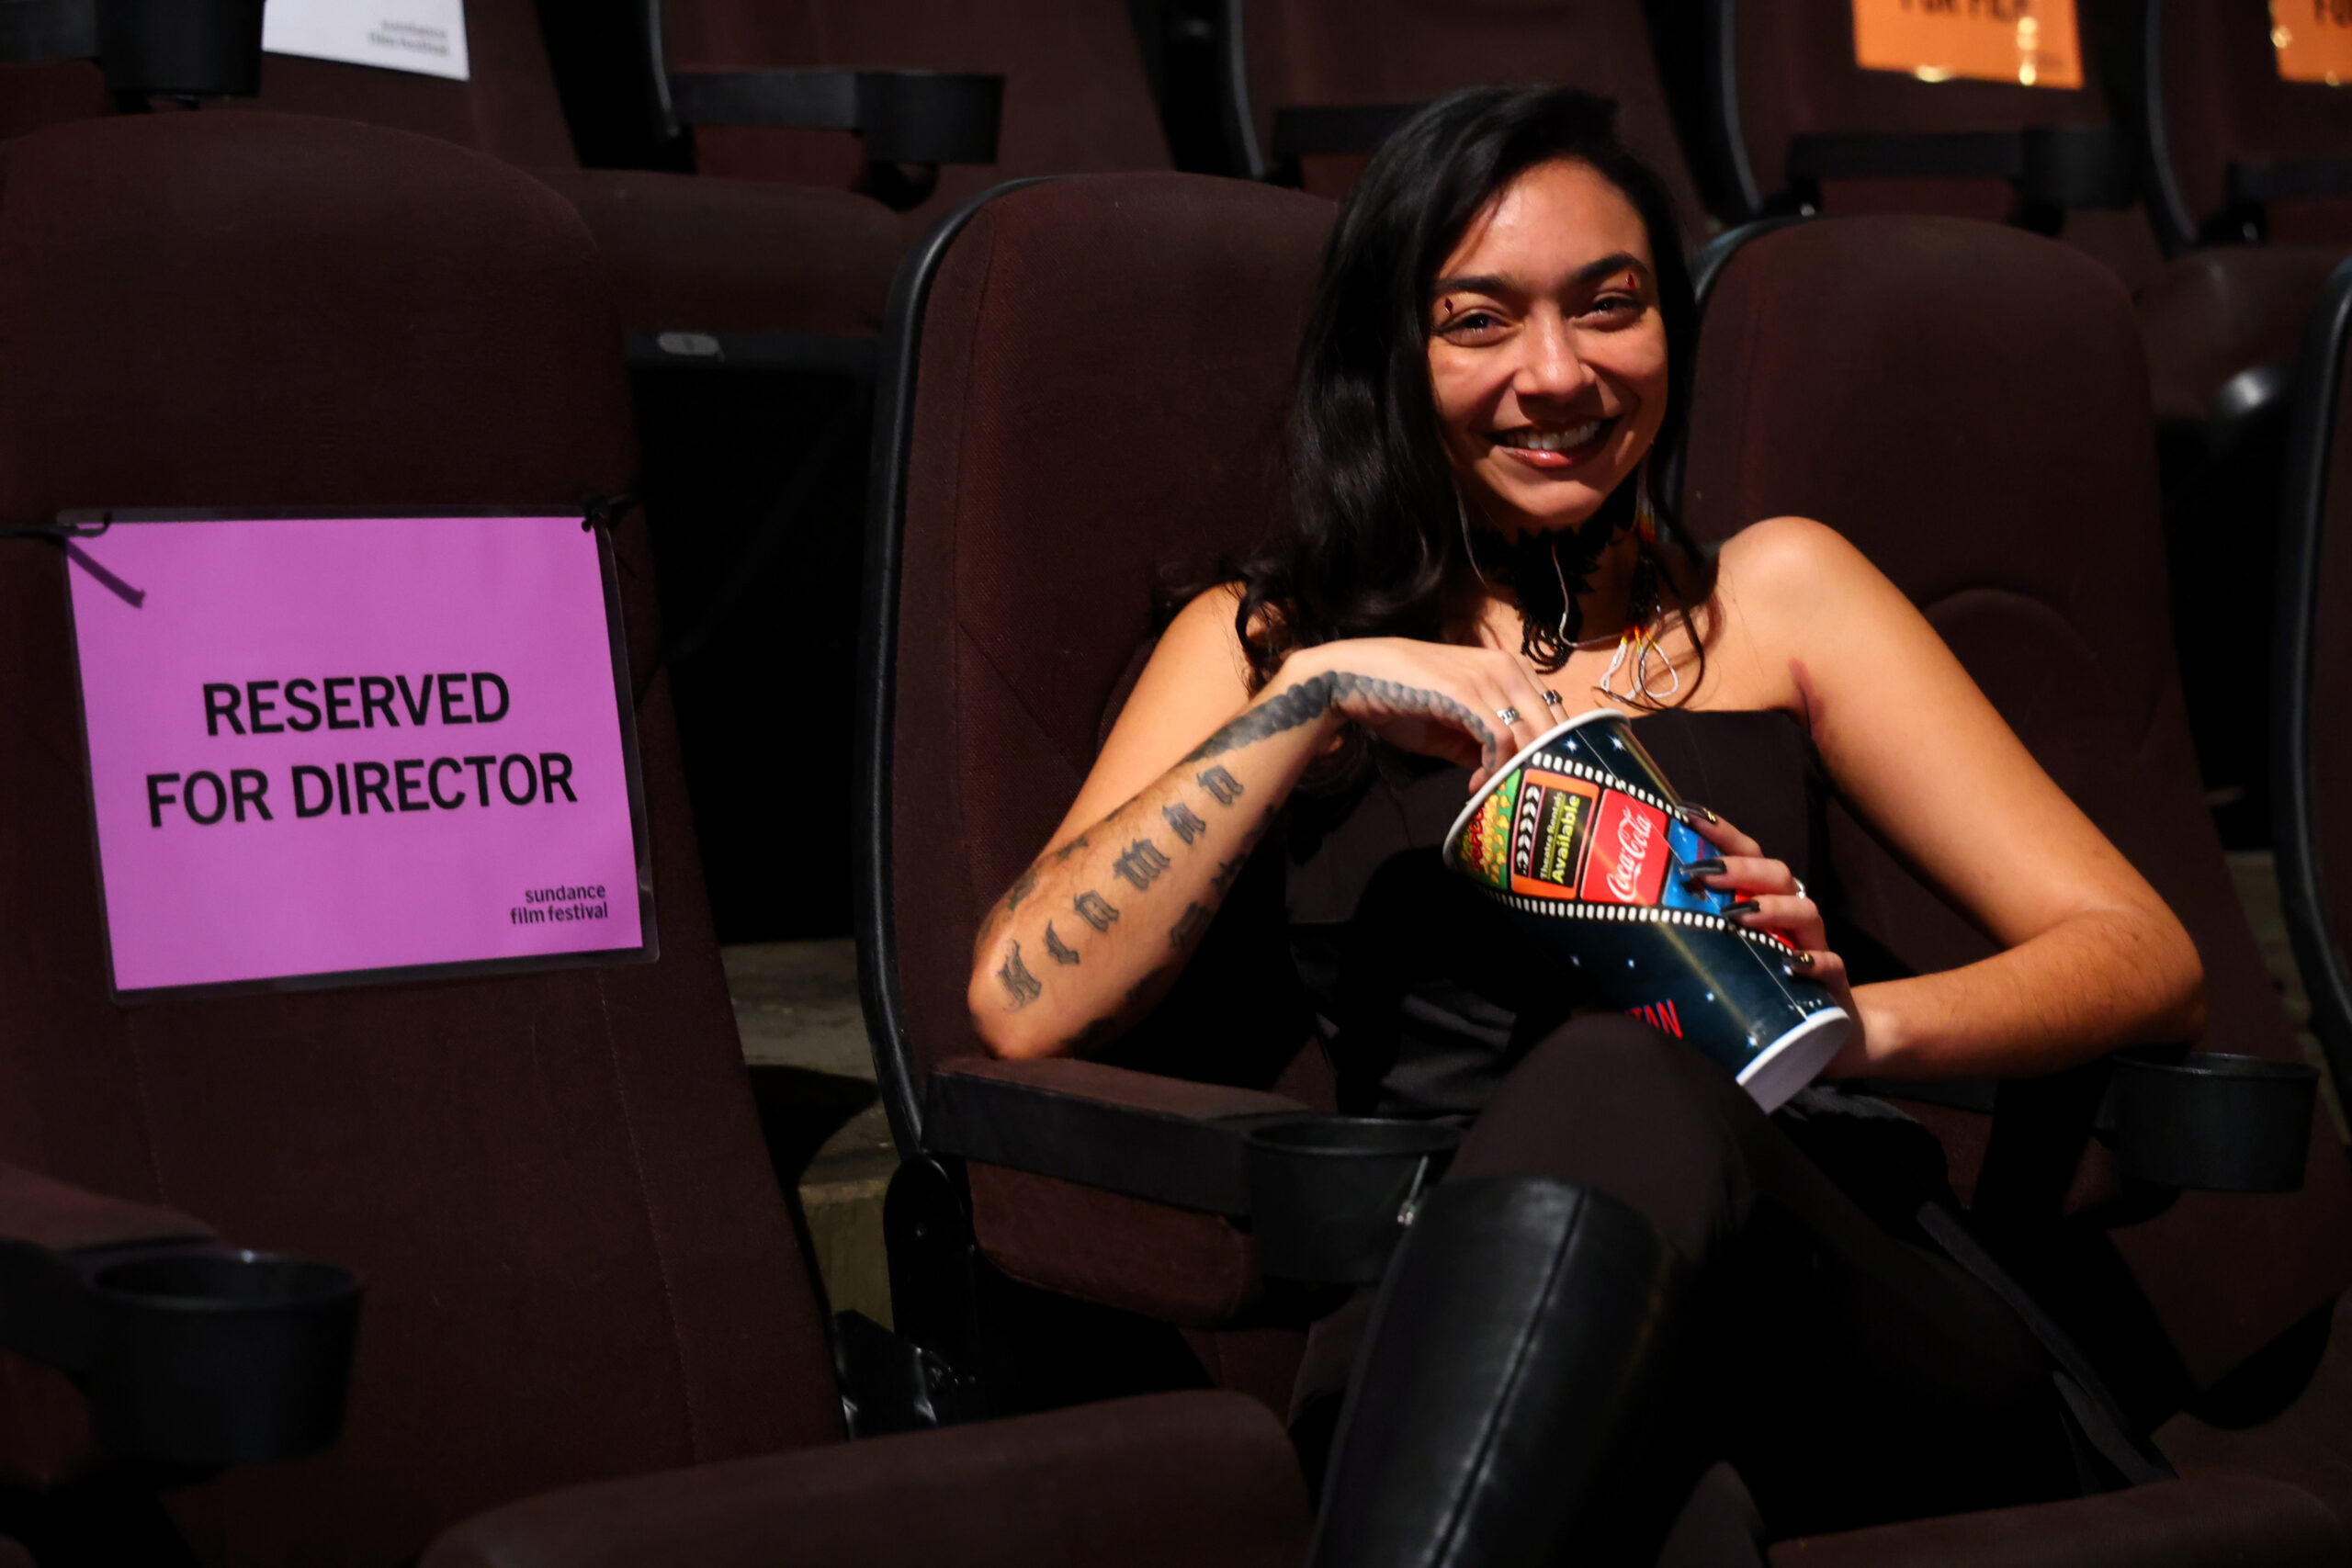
<point x="1433" y="698"/>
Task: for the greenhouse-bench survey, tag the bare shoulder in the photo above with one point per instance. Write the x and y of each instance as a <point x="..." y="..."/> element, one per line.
<point x="1788" y="581"/>
<point x="1205" y="625"/>
<point x="1785" y="558"/>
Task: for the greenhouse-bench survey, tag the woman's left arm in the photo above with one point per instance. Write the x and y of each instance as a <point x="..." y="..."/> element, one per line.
<point x="2092" y="958"/>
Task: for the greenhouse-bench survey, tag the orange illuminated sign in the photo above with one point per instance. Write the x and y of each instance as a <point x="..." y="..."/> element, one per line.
<point x="2313" y="39"/>
<point x="2029" y="41"/>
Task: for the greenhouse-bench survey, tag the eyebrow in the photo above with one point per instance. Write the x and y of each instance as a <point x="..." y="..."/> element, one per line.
<point x="1497" y="283"/>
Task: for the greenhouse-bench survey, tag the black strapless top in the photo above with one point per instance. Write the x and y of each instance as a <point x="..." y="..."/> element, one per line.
<point x="1425" y="995"/>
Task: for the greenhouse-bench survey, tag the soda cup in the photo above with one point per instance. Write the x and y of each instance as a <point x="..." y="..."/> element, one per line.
<point x="1582" y="838"/>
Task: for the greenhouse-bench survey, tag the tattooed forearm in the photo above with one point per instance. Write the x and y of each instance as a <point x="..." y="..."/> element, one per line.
<point x="1139" y="864"/>
<point x="1095" y="910"/>
<point x="1313" y="698"/>
<point x="1147" y="990"/>
<point x="1222" y="785"/>
<point x="1022" y="885"/>
<point x="1183" y="821"/>
<point x="1019" y="985"/>
<point x="1188" y="926"/>
<point x="1056" y="949"/>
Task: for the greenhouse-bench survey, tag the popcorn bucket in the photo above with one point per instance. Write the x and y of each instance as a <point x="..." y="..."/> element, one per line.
<point x="1582" y="838"/>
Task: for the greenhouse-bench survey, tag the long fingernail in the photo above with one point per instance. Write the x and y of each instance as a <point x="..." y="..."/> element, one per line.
<point x="1745" y="906"/>
<point x="1803" y="961"/>
<point x="1699" y="868"/>
<point x="1693" y="806"/>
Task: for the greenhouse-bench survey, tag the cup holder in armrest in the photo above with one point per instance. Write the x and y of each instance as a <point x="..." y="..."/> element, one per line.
<point x="2216" y="1122"/>
<point x="209" y="1356"/>
<point x="1329" y="1196"/>
<point x="193" y="1354"/>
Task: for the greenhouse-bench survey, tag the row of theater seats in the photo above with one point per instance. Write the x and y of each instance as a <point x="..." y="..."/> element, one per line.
<point x="1967" y="402"/>
<point x="580" y="1265"/>
<point x="751" y="203"/>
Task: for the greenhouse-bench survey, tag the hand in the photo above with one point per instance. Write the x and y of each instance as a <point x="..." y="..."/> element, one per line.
<point x="1433" y="698"/>
<point x="1770" y="898"/>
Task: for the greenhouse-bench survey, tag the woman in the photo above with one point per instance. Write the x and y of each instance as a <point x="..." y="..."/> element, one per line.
<point x="1497" y="358"/>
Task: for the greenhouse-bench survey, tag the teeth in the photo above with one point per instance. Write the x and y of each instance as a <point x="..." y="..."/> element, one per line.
<point x="1553" y="440"/>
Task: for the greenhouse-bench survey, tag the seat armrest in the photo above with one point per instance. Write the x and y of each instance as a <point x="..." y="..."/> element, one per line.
<point x="2257" y="183"/>
<point x="1139" y="1134"/>
<point x="904" y="116"/>
<point x="1146" y="1483"/>
<point x="57" y="1216"/>
<point x="191" y="1353"/>
<point x="2053" y="167"/>
<point x="48" y="1228"/>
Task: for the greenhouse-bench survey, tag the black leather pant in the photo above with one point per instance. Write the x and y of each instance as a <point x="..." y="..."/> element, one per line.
<point x="1850" y="1375"/>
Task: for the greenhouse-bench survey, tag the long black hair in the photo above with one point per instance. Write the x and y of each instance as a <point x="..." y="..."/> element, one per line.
<point x="1375" y="535"/>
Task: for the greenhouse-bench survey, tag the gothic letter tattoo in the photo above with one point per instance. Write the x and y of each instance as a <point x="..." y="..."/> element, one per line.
<point x="1180" y="818"/>
<point x="1060" y="950"/>
<point x="1140" y="865"/>
<point x="1095" y="910"/>
<point x="1222" y="784"/>
<point x="1022" y="885"/>
<point x="1226" y="871"/>
<point x="1019" y="983"/>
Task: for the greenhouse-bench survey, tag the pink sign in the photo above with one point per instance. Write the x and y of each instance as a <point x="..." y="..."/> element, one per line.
<point x="347" y="745"/>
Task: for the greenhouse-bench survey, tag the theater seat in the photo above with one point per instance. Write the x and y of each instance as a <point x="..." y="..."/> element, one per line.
<point x="1321" y="83"/>
<point x="2004" y="481"/>
<point x="579" y="1265"/>
<point x="1076" y="97"/>
<point x="1172" y="304"/>
<point x="2250" y="181"/>
<point x="1799" y="123"/>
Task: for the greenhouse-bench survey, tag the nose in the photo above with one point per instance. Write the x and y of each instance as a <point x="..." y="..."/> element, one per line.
<point x="1554" y="369"/>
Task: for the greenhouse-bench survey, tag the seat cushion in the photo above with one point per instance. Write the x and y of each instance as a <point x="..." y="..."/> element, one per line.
<point x="1166" y="1481"/>
<point x="2240" y="1519"/>
<point x="2309" y="1444"/>
<point x="696" y="253"/>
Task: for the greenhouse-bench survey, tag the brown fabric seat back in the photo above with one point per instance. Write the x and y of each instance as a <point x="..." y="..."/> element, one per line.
<point x="1401" y="51"/>
<point x="1075" y="99"/>
<point x="578" y="1263"/>
<point x="1098" y="373"/>
<point x="1969" y="404"/>
<point x="2217" y="98"/>
<point x="1791" y="72"/>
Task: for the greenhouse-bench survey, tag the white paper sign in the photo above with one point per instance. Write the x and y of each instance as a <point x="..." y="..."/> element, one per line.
<point x="423" y="36"/>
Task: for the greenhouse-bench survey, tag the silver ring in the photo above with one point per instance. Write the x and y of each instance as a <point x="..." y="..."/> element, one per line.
<point x="1508" y="716"/>
<point x="1553" y="699"/>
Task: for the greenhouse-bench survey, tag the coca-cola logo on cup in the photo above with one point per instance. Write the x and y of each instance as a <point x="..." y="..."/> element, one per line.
<point x="1627" y="862"/>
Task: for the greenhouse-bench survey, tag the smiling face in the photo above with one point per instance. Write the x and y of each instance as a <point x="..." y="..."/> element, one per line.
<point x="1547" y="351"/>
